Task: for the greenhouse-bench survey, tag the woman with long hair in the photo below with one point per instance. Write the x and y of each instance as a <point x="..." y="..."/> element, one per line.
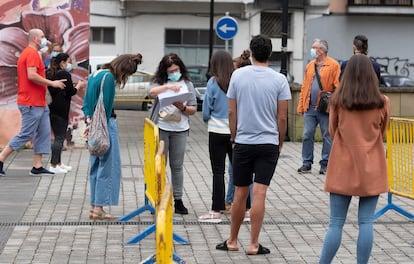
<point x="215" y="114"/>
<point x="105" y="170"/>
<point x="173" y="120"/>
<point x="358" y="120"/>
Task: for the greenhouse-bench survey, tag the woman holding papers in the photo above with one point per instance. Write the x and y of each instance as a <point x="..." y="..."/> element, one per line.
<point x="175" y="102"/>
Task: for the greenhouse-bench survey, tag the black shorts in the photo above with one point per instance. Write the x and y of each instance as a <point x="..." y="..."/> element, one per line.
<point x="260" y="160"/>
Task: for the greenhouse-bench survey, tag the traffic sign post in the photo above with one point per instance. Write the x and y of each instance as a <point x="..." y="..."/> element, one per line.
<point x="226" y="28"/>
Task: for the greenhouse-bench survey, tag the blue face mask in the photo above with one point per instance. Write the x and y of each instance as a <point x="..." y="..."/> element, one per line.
<point x="175" y="76"/>
<point x="43" y="43"/>
<point x="53" y="54"/>
<point x="313" y="53"/>
<point x="68" y="67"/>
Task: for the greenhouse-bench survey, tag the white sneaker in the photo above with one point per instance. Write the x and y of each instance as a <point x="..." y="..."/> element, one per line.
<point x="246" y="216"/>
<point x="57" y="170"/>
<point x="65" y="167"/>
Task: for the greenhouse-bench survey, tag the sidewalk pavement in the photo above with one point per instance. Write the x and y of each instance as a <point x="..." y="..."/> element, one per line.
<point x="45" y="219"/>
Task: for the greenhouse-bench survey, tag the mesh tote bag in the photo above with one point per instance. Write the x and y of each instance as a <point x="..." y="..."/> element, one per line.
<point x="98" y="137"/>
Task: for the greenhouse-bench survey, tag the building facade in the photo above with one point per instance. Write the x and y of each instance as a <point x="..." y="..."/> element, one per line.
<point x="155" y="28"/>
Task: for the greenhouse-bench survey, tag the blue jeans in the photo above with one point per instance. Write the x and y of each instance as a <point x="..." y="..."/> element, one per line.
<point x="311" y="120"/>
<point x="174" y="149"/>
<point x="230" y="190"/>
<point x="230" y="185"/>
<point x="339" y="205"/>
<point x="105" y="172"/>
<point x="36" y="126"/>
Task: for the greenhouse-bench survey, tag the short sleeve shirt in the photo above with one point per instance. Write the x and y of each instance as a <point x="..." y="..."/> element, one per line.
<point x="28" y="92"/>
<point x="257" y="90"/>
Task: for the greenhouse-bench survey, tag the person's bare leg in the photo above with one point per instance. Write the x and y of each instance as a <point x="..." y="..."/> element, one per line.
<point x="37" y="160"/>
<point x="5" y="152"/>
<point x="237" y="214"/>
<point x="257" y="214"/>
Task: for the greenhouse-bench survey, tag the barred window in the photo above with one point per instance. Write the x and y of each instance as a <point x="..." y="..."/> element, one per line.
<point x="271" y="24"/>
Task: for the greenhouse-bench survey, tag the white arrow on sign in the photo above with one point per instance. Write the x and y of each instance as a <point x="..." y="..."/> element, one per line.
<point x="224" y="28"/>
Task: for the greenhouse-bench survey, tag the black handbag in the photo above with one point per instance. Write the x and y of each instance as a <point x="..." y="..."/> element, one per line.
<point x="323" y="95"/>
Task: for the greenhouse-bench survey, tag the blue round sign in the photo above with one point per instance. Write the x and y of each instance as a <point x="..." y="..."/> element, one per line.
<point x="226" y="28"/>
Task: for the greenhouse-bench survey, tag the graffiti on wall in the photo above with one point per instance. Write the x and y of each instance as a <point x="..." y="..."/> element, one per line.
<point x="65" y="22"/>
<point x="394" y="66"/>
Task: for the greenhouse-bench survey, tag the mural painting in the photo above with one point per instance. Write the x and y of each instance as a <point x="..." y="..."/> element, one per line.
<point x="65" y="22"/>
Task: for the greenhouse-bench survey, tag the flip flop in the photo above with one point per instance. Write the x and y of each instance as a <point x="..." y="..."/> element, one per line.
<point x="260" y="251"/>
<point x="223" y="246"/>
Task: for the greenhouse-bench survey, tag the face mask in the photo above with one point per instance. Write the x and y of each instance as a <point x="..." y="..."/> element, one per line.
<point x="175" y="76"/>
<point x="68" y="67"/>
<point x="54" y="53"/>
<point x="43" y="43"/>
<point x="313" y="53"/>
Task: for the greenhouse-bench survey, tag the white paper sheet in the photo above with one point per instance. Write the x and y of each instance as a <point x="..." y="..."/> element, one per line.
<point x="168" y="97"/>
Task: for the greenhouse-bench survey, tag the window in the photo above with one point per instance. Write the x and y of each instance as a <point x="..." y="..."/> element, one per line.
<point x="191" y="37"/>
<point x="103" y="35"/>
<point x="380" y="2"/>
<point x="271" y="24"/>
<point x="192" y="45"/>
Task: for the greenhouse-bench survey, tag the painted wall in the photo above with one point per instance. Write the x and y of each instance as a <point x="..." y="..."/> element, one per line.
<point x="390" y="38"/>
<point x="62" y="21"/>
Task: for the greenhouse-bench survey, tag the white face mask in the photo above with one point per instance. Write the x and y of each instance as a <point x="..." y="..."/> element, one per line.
<point x="43" y="43"/>
<point x="313" y="53"/>
<point x="68" y="67"/>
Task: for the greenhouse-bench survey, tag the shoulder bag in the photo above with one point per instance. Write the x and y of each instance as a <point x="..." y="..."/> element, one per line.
<point x="323" y="95"/>
<point x="98" y="137"/>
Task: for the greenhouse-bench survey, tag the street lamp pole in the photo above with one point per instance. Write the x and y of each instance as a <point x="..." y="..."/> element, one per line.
<point x="211" y="39"/>
<point x="283" y="65"/>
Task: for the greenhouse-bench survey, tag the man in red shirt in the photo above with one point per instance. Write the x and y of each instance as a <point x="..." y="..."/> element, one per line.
<point x="31" y="100"/>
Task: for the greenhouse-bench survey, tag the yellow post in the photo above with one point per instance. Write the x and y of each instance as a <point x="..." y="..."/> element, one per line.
<point x="151" y="140"/>
<point x="164" y="230"/>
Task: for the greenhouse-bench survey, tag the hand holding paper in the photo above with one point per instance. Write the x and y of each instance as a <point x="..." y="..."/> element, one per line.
<point x="168" y="97"/>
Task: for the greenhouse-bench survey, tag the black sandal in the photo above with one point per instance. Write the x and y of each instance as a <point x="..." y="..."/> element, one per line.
<point x="223" y="246"/>
<point x="260" y="251"/>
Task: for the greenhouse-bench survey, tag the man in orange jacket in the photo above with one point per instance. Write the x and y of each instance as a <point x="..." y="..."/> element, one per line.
<point x="329" y="71"/>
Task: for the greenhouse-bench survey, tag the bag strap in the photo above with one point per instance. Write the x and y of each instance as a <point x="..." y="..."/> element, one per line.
<point x="102" y="84"/>
<point x="318" y="77"/>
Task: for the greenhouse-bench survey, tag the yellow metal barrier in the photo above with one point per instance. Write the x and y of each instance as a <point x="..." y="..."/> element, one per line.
<point x="164" y="232"/>
<point x="400" y="139"/>
<point x="154" y="181"/>
<point x="151" y="141"/>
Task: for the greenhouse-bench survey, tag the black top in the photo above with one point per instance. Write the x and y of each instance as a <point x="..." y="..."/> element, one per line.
<point x="61" y="97"/>
<point x="376" y="66"/>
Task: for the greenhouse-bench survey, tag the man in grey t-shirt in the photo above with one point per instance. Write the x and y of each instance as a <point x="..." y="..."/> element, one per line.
<point x="258" y="101"/>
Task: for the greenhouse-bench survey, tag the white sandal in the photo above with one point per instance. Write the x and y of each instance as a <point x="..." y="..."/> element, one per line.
<point x="210" y="217"/>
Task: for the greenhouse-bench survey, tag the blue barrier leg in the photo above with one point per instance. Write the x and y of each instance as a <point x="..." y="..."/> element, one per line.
<point x="151" y="229"/>
<point x="149" y="260"/>
<point x="385" y="208"/>
<point x="177" y="259"/>
<point x="141" y="236"/>
<point x="391" y="206"/>
<point x="180" y="240"/>
<point x="145" y="207"/>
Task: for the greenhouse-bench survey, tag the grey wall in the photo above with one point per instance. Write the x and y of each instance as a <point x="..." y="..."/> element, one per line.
<point x="390" y="37"/>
